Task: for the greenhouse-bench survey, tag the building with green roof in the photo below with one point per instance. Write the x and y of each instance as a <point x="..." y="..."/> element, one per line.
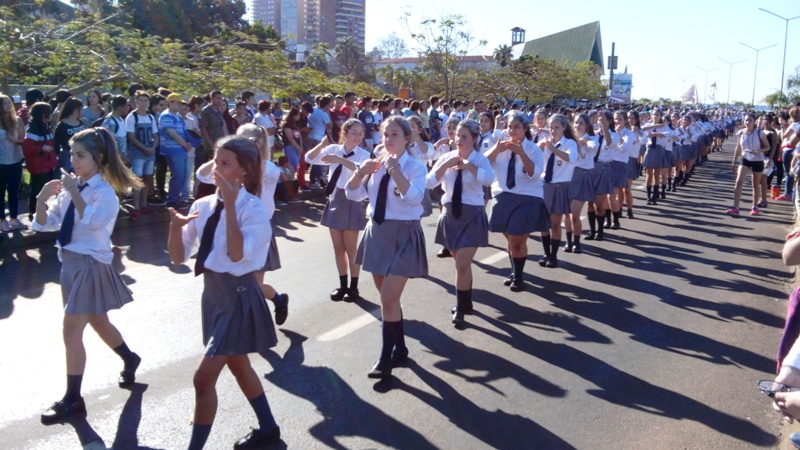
<point x="571" y="46"/>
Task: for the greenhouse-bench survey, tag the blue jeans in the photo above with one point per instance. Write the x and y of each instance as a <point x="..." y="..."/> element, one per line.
<point x="787" y="166"/>
<point x="10" y="176"/>
<point x="177" y="166"/>
<point x="292" y="156"/>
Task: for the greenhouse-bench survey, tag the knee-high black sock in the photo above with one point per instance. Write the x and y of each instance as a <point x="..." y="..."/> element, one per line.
<point x="266" y="421"/>
<point x="554" y="244"/>
<point x="199" y="436"/>
<point x="577" y="240"/>
<point x="389" y="333"/>
<point x="126" y="354"/>
<point x="617" y="216"/>
<point x="649" y="192"/>
<point x="592" y="216"/>
<point x="73" y="388"/>
<point x="669" y="182"/>
<point x="676" y="181"/>
<point x="546" y="244"/>
<point x="663" y="189"/>
<point x="353" y="282"/>
<point x="569" y="238"/>
<point x="343" y="281"/>
<point x="400" y="339"/>
<point x="519" y="265"/>
<point x="600" y="220"/>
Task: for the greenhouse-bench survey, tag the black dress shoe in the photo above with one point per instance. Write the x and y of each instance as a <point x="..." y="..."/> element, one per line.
<point x="128" y="375"/>
<point x="508" y="280"/>
<point x="576" y="248"/>
<point x="352" y="295"/>
<point x="458" y="317"/>
<point x="615" y="226"/>
<point x="517" y="285"/>
<point x="444" y="253"/>
<point x="592" y="236"/>
<point x="282" y="311"/>
<point x="381" y="369"/>
<point x="551" y="263"/>
<point x="630" y="215"/>
<point x="599" y="237"/>
<point x="568" y="248"/>
<point x="259" y="439"/>
<point x="60" y="411"/>
<point x="543" y="261"/>
<point x="338" y="294"/>
<point x="399" y="357"/>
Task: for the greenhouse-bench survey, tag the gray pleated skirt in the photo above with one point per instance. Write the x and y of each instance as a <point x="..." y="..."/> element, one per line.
<point x="273" y="262"/>
<point x="581" y="187"/>
<point x="642" y="149"/>
<point x="601" y="178"/>
<point x="343" y="214"/>
<point x="556" y="198"/>
<point x="236" y="320"/>
<point x="427" y="203"/>
<point x="695" y="150"/>
<point x="619" y="174"/>
<point x="518" y="215"/>
<point x="670" y="155"/>
<point x="632" y="169"/>
<point x="469" y="230"/>
<point x="683" y="152"/>
<point x="655" y="158"/>
<point x="89" y="286"/>
<point x="395" y="247"/>
<point x="703" y="140"/>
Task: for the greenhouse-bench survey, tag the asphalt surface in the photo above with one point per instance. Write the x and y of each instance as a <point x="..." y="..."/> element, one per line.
<point x="653" y="338"/>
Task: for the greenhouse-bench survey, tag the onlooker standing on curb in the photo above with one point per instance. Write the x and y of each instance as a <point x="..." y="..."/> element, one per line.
<point x="174" y="148"/>
<point x="39" y="150"/>
<point x="70" y="125"/>
<point x="10" y="165"/>
<point x="320" y="122"/>
<point x="115" y="124"/>
<point x="142" y="130"/>
<point x="212" y="128"/>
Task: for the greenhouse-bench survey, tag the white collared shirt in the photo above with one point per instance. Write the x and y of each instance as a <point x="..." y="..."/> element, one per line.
<point x="662" y="141"/>
<point x="628" y="141"/>
<point x="91" y="234"/>
<point x="256" y="233"/>
<point x="608" y="148"/>
<point x="359" y="157"/>
<point x="526" y="184"/>
<point x="398" y="206"/>
<point x="488" y="140"/>
<point x="272" y="174"/>
<point x="633" y="151"/>
<point x="562" y="169"/>
<point x="424" y="156"/>
<point x="472" y="186"/>
<point x="584" y="157"/>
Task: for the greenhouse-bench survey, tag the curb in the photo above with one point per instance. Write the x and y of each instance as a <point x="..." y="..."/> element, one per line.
<point x="27" y="239"/>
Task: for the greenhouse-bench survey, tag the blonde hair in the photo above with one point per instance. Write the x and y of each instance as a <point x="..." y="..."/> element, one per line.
<point x="101" y="144"/>
<point x="8" y="120"/>
<point x="253" y="131"/>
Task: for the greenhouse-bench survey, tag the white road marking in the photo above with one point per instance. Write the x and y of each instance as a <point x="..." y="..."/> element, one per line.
<point x="494" y="258"/>
<point x="351" y="326"/>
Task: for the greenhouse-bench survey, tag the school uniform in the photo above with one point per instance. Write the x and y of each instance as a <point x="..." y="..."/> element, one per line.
<point x="696" y="132"/>
<point x="655" y="157"/>
<point x="632" y="170"/>
<point x="465" y="225"/>
<point x="581" y="186"/>
<point x="518" y="209"/>
<point x="486" y="143"/>
<point x="557" y="175"/>
<point x="669" y="147"/>
<point x="602" y="173"/>
<point x="683" y="149"/>
<point x="393" y="244"/>
<point x="341" y="213"/>
<point x="235" y="316"/>
<point x="89" y="284"/>
<point x="425" y="156"/>
<point x="619" y="163"/>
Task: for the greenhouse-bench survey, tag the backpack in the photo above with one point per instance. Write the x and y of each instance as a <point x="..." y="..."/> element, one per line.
<point x="99" y="123"/>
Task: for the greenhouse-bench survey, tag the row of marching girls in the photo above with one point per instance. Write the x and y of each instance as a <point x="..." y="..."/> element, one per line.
<point x="230" y="232"/>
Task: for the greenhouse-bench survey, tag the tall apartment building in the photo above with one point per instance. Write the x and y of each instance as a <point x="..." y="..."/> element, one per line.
<point x="309" y="22"/>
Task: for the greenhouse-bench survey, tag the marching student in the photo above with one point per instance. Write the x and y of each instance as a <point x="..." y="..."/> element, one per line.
<point x="84" y="213"/>
<point x="632" y="172"/>
<point x="559" y="150"/>
<point x="619" y="167"/>
<point x="422" y="149"/>
<point x="752" y="145"/>
<point x="343" y="217"/>
<point x="444" y="145"/>
<point x="392" y="247"/>
<point x="491" y="132"/>
<point x="517" y="204"/>
<point x="463" y="226"/>
<point x="581" y="186"/>
<point x="602" y="176"/>
<point x="669" y="151"/>
<point x="683" y="152"/>
<point x="230" y="232"/>
<point x="655" y="159"/>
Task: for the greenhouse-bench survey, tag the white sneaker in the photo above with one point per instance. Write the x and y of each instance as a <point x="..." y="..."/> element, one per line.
<point x="5" y="227"/>
<point x="17" y="224"/>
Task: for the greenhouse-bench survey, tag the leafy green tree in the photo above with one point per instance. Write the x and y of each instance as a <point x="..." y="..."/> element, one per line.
<point x="392" y="46"/>
<point x="183" y="19"/>
<point x="349" y="57"/>
<point x="502" y="55"/>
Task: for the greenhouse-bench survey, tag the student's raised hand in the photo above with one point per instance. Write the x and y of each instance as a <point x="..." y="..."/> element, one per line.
<point x="179" y="220"/>
<point x="227" y="190"/>
<point x="369" y="166"/>
<point x="50" y="189"/>
<point x="68" y="180"/>
<point x="440" y="142"/>
<point x="333" y="159"/>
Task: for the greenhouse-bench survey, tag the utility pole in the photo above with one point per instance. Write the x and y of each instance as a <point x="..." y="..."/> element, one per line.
<point x="612" y="64"/>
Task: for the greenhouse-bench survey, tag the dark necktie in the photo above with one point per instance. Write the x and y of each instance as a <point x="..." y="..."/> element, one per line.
<point x="551" y="162"/>
<point x="511" y="174"/>
<point x="653" y="139"/>
<point x="335" y="177"/>
<point x="380" y="202"/>
<point x="207" y="241"/>
<point x="599" y="147"/>
<point x="65" y="233"/>
<point x="457" y="189"/>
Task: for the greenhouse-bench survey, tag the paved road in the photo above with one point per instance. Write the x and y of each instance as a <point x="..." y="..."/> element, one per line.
<point x="651" y="339"/>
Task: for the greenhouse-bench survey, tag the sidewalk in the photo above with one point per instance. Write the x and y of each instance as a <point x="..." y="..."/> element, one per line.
<point x="24" y="239"/>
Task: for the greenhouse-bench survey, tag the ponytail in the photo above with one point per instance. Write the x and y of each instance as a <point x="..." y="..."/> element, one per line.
<point x="103" y="147"/>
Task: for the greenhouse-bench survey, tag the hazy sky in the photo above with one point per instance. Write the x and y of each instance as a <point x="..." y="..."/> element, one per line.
<point x="661" y="42"/>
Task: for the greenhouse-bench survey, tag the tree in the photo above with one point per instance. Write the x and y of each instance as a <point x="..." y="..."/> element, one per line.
<point x="502" y="54"/>
<point x="392" y="46"/>
<point x="349" y="57"/>
<point x="443" y="44"/>
<point x="776" y="98"/>
<point x="319" y="56"/>
<point x="184" y="19"/>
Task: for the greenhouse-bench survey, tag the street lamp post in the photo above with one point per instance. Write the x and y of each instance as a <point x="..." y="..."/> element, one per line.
<point x="753" y="101"/>
<point x="705" y="89"/>
<point x="683" y="83"/>
<point x="730" y="73"/>
<point x="785" y="37"/>
<point x="655" y="84"/>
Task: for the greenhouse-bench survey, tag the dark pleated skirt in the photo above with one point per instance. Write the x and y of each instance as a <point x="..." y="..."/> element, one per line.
<point x="655" y="158"/>
<point x="581" y="187"/>
<point x="619" y="174"/>
<point x="236" y="320"/>
<point x="703" y="140"/>
<point x="471" y="229"/>
<point x="518" y="215"/>
<point x="556" y="198"/>
<point x="273" y="262"/>
<point x="89" y="286"/>
<point x="602" y="178"/>
<point x="683" y="152"/>
<point x="632" y="169"/>
<point x="427" y="203"/>
<point x="642" y="149"/>
<point x="395" y="247"/>
<point x="670" y="156"/>
<point x="343" y="214"/>
<point x="695" y="150"/>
